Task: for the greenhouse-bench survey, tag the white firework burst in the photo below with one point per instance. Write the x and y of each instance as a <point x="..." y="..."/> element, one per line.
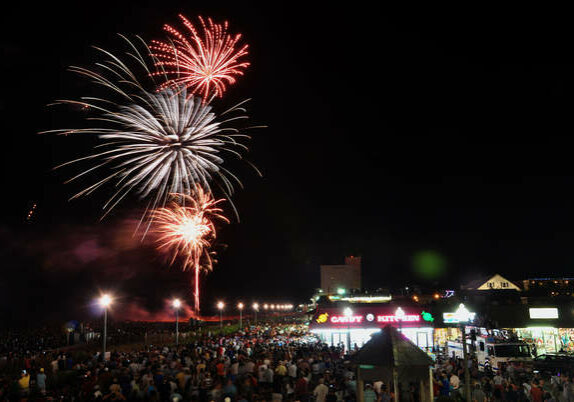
<point x="155" y="142"/>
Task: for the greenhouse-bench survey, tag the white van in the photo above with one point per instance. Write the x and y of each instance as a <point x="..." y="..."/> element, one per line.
<point x="492" y="355"/>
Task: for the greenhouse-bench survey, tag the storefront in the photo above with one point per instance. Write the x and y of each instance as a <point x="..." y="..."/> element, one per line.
<point x="547" y="329"/>
<point x="542" y="339"/>
<point x="444" y="335"/>
<point x="352" y="326"/>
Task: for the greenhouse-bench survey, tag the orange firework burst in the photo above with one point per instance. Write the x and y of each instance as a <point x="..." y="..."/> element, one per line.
<point x="186" y="229"/>
<point x="204" y="62"/>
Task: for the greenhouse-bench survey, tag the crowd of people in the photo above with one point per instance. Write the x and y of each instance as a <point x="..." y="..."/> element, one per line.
<point x="19" y="342"/>
<point x="261" y="363"/>
<point x="508" y="383"/>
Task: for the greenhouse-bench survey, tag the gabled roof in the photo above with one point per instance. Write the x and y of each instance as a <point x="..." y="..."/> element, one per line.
<point x="390" y="348"/>
<point x="495" y="282"/>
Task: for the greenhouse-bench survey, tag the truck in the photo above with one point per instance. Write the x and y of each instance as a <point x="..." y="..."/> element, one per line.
<point x="492" y="354"/>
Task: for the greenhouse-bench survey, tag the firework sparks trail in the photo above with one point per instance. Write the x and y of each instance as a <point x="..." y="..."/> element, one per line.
<point x="155" y="142"/>
<point x="204" y="61"/>
<point x="185" y="229"/>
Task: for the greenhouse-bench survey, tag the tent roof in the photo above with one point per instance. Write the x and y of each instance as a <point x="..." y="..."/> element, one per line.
<point x="390" y="348"/>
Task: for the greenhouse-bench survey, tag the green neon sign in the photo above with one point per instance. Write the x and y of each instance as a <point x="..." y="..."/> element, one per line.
<point x="427" y="316"/>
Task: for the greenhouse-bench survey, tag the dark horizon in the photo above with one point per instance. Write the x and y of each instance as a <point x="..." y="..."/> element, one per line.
<point x="390" y="134"/>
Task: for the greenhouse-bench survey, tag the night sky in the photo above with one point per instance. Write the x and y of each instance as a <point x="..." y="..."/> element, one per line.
<point x="390" y="133"/>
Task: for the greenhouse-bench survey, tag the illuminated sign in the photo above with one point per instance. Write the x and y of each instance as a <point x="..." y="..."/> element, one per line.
<point x="322" y="318"/>
<point x="543" y="312"/>
<point x="367" y="299"/>
<point x="448" y="293"/>
<point x="396" y="318"/>
<point x="461" y="315"/>
<point x="337" y="319"/>
<point x="427" y="316"/>
<point x="369" y="317"/>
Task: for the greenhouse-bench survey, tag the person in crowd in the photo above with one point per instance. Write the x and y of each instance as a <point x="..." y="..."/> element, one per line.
<point x="369" y="394"/>
<point x="41" y="381"/>
<point x="477" y="394"/>
<point x="321" y="390"/>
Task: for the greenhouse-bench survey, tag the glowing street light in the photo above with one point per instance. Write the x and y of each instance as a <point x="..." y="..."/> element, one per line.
<point x="400" y="316"/>
<point x="240" y="307"/>
<point x="176" y="304"/>
<point x="220" y="306"/>
<point x="463" y="317"/>
<point x="105" y="301"/>
<point x="348" y="312"/>
<point x="256" y="309"/>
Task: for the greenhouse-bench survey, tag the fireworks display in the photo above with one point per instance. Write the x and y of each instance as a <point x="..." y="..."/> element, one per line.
<point x="160" y="137"/>
<point x="158" y="142"/>
<point x="185" y="229"/>
<point x="204" y="61"/>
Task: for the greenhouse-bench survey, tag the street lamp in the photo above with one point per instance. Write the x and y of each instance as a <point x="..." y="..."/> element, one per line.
<point x="400" y="316"/>
<point x="240" y="307"/>
<point x="463" y="316"/>
<point x="256" y="309"/>
<point x="105" y="301"/>
<point x="176" y="304"/>
<point x="220" y="306"/>
<point x="348" y="312"/>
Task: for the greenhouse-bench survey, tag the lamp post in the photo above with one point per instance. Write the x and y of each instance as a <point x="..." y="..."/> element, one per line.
<point x="176" y="305"/>
<point x="463" y="316"/>
<point x="465" y="359"/>
<point x="255" y="309"/>
<point x="220" y="306"/>
<point x="400" y="315"/>
<point x="348" y="312"/>
<point x="105" y="301"/>
<point x="240" y="307"/>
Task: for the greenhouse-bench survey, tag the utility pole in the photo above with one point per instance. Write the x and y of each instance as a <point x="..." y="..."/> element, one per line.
<point x="105" y="331"/>
<point x="466" y="370"/>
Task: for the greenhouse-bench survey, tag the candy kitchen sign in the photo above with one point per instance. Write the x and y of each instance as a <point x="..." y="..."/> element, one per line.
<point x="349" y="317"/>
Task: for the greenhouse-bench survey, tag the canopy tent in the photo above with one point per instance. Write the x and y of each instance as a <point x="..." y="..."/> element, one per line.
<point x="391" y="357"/>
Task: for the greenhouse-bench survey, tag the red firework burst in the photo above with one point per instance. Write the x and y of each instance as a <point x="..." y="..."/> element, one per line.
<point x="205" y="62"/>
<point x="185" y="229"/>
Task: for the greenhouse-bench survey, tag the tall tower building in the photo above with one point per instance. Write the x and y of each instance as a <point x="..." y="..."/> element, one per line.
<point x="341" y="278"/>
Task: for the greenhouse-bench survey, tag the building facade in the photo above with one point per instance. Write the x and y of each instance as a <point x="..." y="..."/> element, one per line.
<point x="337" y="278"/>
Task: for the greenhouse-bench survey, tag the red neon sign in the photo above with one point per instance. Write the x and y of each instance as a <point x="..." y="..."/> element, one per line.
<point x="355" y="319"/>
<point x="396" y="318"/>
